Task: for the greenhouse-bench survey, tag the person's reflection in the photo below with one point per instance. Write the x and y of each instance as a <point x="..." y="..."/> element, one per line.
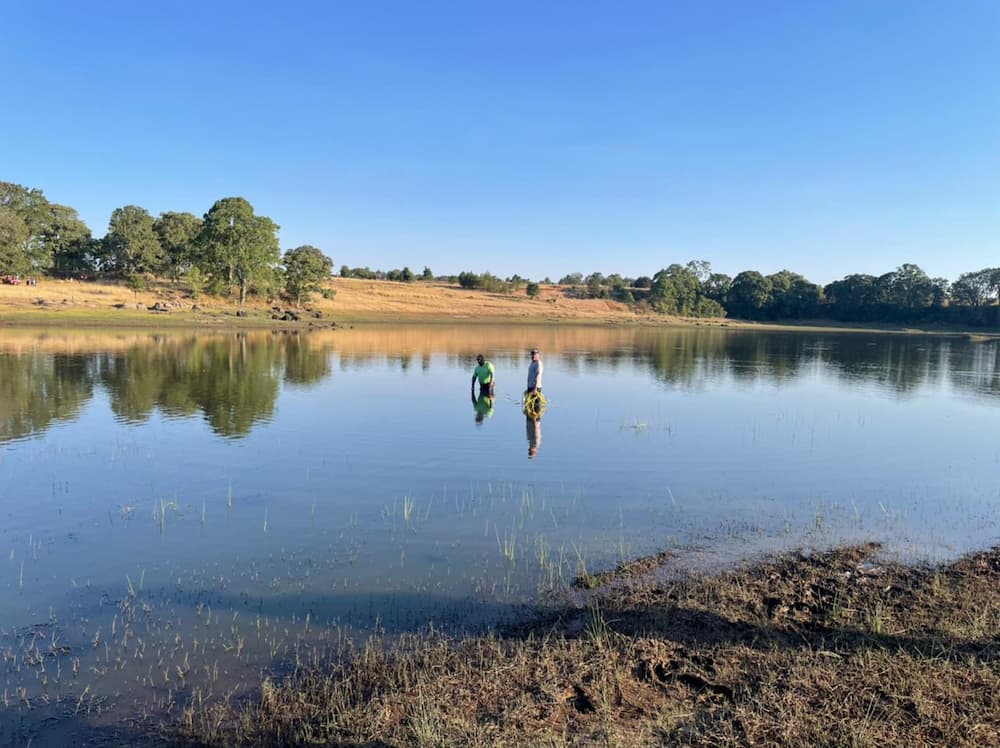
<point x="533" y="430"/>
<point x="483" y="406"/>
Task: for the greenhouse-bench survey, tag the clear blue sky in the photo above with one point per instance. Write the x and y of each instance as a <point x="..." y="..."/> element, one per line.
<point x="537" y="138"/>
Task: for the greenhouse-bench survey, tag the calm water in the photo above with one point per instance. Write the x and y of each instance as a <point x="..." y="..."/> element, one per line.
<point x="181" y="511"/>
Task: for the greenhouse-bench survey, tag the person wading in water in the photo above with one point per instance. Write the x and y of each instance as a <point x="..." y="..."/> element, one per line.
<point x="484" y="372"/>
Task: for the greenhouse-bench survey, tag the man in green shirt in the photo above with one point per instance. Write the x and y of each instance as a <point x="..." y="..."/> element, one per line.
<point x="484" y="372"/>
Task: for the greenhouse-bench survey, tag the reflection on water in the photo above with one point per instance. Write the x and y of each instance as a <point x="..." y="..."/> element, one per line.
<point x="233" y="380"/>
<point x="235" y="500"/>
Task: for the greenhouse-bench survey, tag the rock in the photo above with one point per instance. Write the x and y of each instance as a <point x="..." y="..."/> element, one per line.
<point x="159" y="306"/>
<point x="241" y="312"/>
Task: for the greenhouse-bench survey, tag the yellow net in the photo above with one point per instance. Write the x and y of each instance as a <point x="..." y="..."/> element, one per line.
<point x="534" y="405"/>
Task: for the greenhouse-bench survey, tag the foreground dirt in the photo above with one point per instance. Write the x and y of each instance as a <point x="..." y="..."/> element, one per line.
<point x="835" y="649"/>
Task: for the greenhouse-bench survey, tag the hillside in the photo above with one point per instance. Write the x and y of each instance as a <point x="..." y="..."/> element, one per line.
<point x="110" y="303"/>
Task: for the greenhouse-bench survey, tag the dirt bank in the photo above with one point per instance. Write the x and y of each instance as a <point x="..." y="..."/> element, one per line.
<point x="836" y="649"/>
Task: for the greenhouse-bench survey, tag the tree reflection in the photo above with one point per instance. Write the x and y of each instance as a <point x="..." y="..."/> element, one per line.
<point x="37" y="390"/>
<point x="233" y="381"/>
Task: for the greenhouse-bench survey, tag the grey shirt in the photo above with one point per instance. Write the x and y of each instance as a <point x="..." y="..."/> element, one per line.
<point x="535" y="374"/>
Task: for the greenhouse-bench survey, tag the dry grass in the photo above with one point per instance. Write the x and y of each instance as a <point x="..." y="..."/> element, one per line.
<point x="829" y="650"/>
<point x="106" y="302"/>
<point x="110" y="304"/>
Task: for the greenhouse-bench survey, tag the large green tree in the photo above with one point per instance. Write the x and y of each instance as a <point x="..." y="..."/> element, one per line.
<point x="26" y="251"/>
<point x="675" y="291"/>
<point x="237" y="247"/>
<point x="792" y="296"/>
<point x="749" y="295"/>
<point x="131" y="246"/>
<point x="976" y="289"/>
<point x="13" y="238"/>
<point x="177" y="233"/>
<point x="67" y="239"/>
<point x="306" y="269"/>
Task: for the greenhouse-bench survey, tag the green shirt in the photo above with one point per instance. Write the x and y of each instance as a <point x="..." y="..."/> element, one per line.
<point x="484" y="373"/>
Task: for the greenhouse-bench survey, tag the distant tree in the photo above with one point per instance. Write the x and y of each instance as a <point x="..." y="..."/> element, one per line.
<point x="533" y="289"/>
<point x="345" y="272"/>
<point x="306" y="269"/>
<point x="595" y="286"/>
<point x="136" y="282"/>
<point x="406" y="275"/>
<point x="701" y="269"/>
<point x="131" y="246"/>
<point x="792" y="296"/>
<point x="547" y="280"/>
<point x="749" y="295"/>
<point x="427" y="274"/>
<point x="177" y="233"/>
<point x="941" y="294"/>
<point x="716" y="287"/>
<point x="675" y="291"/>
<point x="573" y="279"/>
<point x="853" y="298"/>
<point x="13" y="238"/>
<point x="26" y="250"/>
<point x="196" y="281"/>
<point x="643" y="281"/>
<point x="974" y="289"/>
<point x="238" y="247"/>
<point x="910" y="288"/>
<point x="72" y="249"/>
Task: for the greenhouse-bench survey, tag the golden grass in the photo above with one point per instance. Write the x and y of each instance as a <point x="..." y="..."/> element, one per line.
<point x="109" y="304"/>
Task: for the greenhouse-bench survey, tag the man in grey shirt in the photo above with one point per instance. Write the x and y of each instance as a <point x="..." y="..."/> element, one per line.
<point x="535" y="373"/>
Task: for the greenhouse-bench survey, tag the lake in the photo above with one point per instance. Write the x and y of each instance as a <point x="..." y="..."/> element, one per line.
<point x="182" y="511"/>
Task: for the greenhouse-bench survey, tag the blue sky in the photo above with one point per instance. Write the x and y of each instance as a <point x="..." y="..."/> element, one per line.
<point x="530" y="138"/>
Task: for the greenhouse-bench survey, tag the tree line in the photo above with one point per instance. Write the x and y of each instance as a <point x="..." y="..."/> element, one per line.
<point x="232" y="250"/>
<point x="229" y="250"/>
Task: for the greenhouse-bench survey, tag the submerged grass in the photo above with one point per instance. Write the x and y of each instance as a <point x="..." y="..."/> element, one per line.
<point x="833" y="649"/>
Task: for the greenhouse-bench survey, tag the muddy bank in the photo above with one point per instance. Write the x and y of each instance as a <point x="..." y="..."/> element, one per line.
<point x="837" y="648"/>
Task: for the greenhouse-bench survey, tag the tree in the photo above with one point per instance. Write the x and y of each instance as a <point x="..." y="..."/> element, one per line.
<point x="532" y="289"/>
<point x="238" y="247"/>
<point x="974" y="289"/>
<point x="406" y="275"/>
<point x="68" y="241"/>
<point x="910" y="288"/>
<point x="853" y="298"/>
<point x="573" y="279"/>
<point x="13" y="237"/>
<point x="131" y="246"/>
<point x="177" y="233"/>
<point x="29" y="253"/>
<point x="792" y="296"/>
<point x="136" y="283"/>
<point x="306" y="269"/>
<point x="674" y="291"/>
<point x="716" y="287"/>
<point x="749" y="295"/>
<point x="595" y="286"/>
<point x="427" y="275"/>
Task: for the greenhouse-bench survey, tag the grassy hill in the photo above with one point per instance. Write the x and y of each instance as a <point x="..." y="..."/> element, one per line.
<point x="112" y="303"/>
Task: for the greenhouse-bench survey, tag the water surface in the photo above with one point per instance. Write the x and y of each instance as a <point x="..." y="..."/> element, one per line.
<point x="181" y="511"/>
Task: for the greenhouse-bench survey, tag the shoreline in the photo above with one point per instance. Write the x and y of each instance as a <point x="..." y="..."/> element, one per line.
<point x="95" y="304"/>
<point x="832" y="648"/>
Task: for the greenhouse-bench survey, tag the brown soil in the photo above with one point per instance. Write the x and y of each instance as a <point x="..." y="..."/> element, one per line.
<point x="833" y="649"/>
